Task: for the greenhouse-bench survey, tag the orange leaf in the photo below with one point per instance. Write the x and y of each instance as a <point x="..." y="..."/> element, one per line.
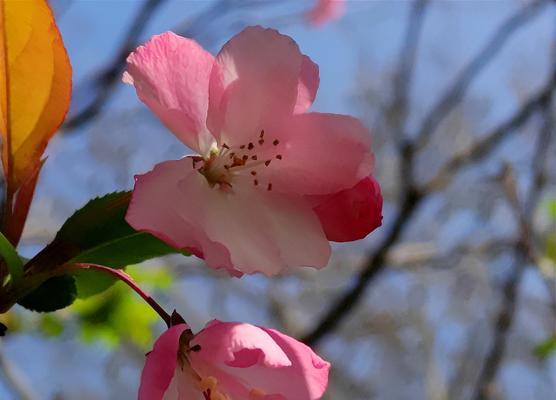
<point x="35" y="88"/>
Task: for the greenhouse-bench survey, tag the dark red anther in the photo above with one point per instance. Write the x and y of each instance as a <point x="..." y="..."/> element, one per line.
<point x="267" y="162"/>
<point x="250" y="146"/>
<point x="279" y="156"/>
<point x="276" y="142"/>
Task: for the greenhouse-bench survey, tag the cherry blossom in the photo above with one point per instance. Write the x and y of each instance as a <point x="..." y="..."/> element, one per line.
<point x="231" y="361"/>
<point x="271" y="183"/>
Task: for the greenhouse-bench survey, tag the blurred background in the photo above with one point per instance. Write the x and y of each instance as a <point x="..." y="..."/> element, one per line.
<point x="454" y="297"/>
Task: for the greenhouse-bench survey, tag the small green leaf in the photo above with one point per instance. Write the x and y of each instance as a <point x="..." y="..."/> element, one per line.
<point x="546" y="348"/>
<point x="12" y="259"/>
<point x="54" y="294"/>
<point x="98" y="234"/>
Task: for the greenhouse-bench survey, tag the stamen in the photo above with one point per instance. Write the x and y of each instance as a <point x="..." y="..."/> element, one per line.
<point x="224" y="145"/>
<point x="253" y="173"/>
<point x="242" y="146"/>
<point x="256" y="182"/>
<point x="262" y="133"/>
<point x="267" y="162"/>
<point x="254" y="158"/>
<point x="245" y="157"/>
<point x="196" y="348"/>
<point x="276" y="142"/>
<point x="261" y="141"/>
<point x="269" y="187"/>
<point x="250" y="146"/>
<point x="279" y="156"/>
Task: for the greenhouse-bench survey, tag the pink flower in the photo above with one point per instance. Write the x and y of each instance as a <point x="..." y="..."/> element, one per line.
<point x="325" y="11"/>
<point x="231" y="361"/>
<point x="272" y="183"/>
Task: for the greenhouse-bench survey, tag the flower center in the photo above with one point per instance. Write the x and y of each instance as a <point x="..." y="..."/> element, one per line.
<point x="225" y="163"/>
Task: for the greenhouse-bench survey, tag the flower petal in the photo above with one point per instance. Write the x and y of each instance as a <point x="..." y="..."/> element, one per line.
<point x="156" y="207"/>
<point x="171" y="76"/>
<point x="320" y="154"/>
<point x="249" y="359"/>
<point x="308" y="85"/>
<point x="245" y="230"/>
<point x="253" y="85"/>
<point x="351" y="214"/>
<point x="161" y="364"/>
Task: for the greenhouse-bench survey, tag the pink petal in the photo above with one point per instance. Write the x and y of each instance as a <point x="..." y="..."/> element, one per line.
<point x="321" y="154"/>
<point x="155" y="207"/>
<point x="171" y="76"/>
<point x="308" y="85"/>
<point x="351" y="214"/>
<point x="246" y="229"/>
<point x="161" y="364"/>
<point x="245" y="357"/>
<point x="254" y="84"/>
<point x="237" y="345"/>
<point x="325" y="11"/>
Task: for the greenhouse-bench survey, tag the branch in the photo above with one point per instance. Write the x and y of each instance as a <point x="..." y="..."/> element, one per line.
<point x="376" y="263"/>
<point x="455" y="93"/>
<point x="397" y="111"/>
<point x="412" y="199"/>
<point x="109" y="76"/>
<point x="524" y="253"/>
<point x="489" y="141"/>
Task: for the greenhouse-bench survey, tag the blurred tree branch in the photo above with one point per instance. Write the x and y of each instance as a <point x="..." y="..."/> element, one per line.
<point x="454" y="94"/>
<point x="412" y="196"/>
<point x="106" y="79"/>
<point x="525" y="253"/>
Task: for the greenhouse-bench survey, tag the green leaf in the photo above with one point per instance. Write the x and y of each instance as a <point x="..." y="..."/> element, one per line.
<point x="54" y="294"/>
<point x="546" y="348"/>
<point x="12" y="259"/>
<point x="98" y="234"/>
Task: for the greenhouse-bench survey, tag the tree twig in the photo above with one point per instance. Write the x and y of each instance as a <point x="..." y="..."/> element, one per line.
<point x="454" y="94"/>
<point x="110" y="75"/>
<point x="524" y="253"/>
<point x="412" y="199"/>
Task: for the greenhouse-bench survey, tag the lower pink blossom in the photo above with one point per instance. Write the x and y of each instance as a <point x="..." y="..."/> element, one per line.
<point x="231" y="361"/>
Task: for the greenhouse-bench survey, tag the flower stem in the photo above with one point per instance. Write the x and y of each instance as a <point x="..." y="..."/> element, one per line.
<point x="128" y="280"/>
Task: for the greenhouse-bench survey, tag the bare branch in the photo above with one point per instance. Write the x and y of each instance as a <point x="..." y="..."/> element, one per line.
<point x="524" y="253"/>
<point x="455" y="93"/>
<point x="110" y="75"/>
<point x="412" y="198"/>
<point x="489" y="141"/>
<point x="397" y="111"/>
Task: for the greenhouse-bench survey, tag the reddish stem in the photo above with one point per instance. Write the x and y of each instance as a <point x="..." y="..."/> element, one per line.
<point x="128" y="280"/>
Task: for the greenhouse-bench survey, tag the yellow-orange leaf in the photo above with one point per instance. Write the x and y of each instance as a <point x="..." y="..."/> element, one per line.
<point x="35" y="86"/>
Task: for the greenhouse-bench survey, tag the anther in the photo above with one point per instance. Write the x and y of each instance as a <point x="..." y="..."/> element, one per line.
<point x="253" y="173"/>
<point x="196" y="348"/>
<point x="224" y="145"/>
<point x="261" y="141"/>
<point x="262" y="133"/>
<point x="242" y="146"/>
<point x="232" y="154"/>
<point x="276" y="142"/>
<point x="269" y="187"/>
<point x="267" y="162"/>
<point x="279" y="156"/>
<point x="254" y="158"/>
<point x="256" y="182"/>
<point x="250" y="146"/>
<point x="245" y="157"/>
